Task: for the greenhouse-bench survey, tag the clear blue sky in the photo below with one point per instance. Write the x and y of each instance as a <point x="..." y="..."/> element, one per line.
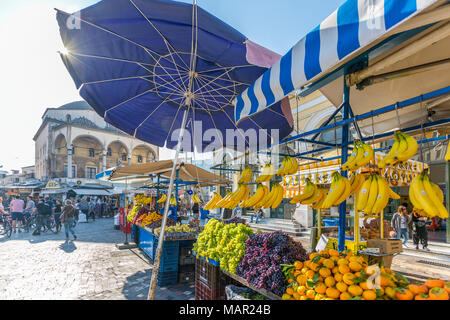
<point x="34" y="78"/>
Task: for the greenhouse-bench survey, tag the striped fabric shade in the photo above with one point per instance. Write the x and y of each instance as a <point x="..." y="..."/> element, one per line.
<point x="353" y="27"/>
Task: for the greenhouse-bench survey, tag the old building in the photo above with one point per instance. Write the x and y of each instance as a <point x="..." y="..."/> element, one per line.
<point x="75" y="136"/>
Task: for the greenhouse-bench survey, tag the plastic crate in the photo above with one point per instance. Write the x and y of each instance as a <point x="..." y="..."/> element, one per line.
<point x="167" y="278"/>
<point x="186" y="276"/>
<point x="187" y="243"/>
<point x="204" y="292"/>
<point x="207" y="274"/>
<point x="168" y="267"/>
<point x="186" y="257"/>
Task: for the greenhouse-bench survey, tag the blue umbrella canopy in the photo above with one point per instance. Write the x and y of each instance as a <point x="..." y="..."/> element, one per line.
<point x="141" y="63"/>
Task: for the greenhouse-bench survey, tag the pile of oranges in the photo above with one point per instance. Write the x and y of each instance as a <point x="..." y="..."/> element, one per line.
<point x="330" y="275"/>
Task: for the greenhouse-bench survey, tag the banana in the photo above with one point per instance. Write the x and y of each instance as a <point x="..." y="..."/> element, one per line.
<point x="422" y="198"/>
<point x="307" y="192"/>
<point x="318" y="204"/>
<point x="283" y="168"/>
<point x="356" y="182"/>
<point x="337" y="188"/>
<point x="225" y="199"/>
<point x="210" y="205"/>
<point x="346" y="193"/>
<point x="266" y="174"/>
<point x="447" y="154"/>
<point x="393" y="195"/>
<point x="431" y="193"/>
<point x="403" y="146"/>
<point x="363" y="194"/>
<point x="382" y="164"/>
<point x="368" y="156"/>
<point x="246" y="176"/>
<point x="314" y="198"/>
<point x="162" y="199"/>
<point x="352" y="158"/>
<point x="270" y="198"/>
<point x="293" y="166"/>
<point x="438" y="192"/>
<point x="383" y="195"/>
<point x="373" y="194"/>
<point x="279" y="197"/>
<point x="259" y="204"/>
<point x="411" y="149"/>
<point x="257" y="196"/>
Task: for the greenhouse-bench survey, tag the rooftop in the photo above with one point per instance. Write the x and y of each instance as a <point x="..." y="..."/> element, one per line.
<point x="76" y="105"/>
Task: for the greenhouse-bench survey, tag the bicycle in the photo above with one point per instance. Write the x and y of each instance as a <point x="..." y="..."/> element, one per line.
<point x="6" y="222"/>
<point x="48" y="225"/>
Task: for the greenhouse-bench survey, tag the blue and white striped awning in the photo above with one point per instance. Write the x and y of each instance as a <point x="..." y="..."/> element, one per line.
<point x="351" y="28"/>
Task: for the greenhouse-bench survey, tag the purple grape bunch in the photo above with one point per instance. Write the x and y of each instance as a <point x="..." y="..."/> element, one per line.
<point x="236" y="221"/>
<point x="262" y="263"/>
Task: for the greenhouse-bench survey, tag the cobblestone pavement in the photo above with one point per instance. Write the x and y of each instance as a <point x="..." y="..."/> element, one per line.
<point x="90" y="268"/>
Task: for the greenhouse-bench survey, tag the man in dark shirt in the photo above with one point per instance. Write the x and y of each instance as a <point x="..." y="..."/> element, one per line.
<point x="44" y="212"/>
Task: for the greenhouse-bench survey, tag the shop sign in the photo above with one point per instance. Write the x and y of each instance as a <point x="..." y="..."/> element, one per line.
<point x="52" y="184"/>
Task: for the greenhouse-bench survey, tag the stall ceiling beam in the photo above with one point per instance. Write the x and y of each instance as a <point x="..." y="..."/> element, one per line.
<point x="413" y="48"/>
<point x="373" y="113"/>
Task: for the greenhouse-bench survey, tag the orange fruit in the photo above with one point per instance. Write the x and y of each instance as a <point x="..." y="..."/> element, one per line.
<point x="298" y="265"/>
<point x="304" y="270"/>
<point x="314" y="266"/>
<point x="313" y="255"/>
<point x="296" y="273"/>
<point x="348" y="277"/>
<point x="301" y="290"/>
<point x="310" y="294"/>
<point x="353" y="259"/>
<point x="329" y="281"/>
<point x="290" y="291"/>
<point x="290" y="280"/>
<point x="343" y="268"/>
<point x="325" y="272"/>
<point x="341" y="286"/>
<point x="310" y="274"/>
<point x="335" y="270"/>
<point x="403" y="294"/>
<point x="355" y="266"/>
<point x="286" y="297"/>
<point x="363" y="285"/>
<point x="296" y="296"/>
<point x="345" y="296"/>
<point x="332" y="293"/>
<point x="435" y="283"/>
<point x="301" y="279"/>
<point x="342" y="261"/>
<point x="338" y="277"/>
<point x="321" y="288"/>
<point x="355" y="290"/>
<point x="438" y="293"/>
<point x="333" y="253"/>
<point x="334" y="258"/>
<point x="328" y="263"/>
<point x="369" y="295"/>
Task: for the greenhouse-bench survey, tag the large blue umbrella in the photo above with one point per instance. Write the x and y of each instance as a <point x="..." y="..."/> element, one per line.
<point x="153" y="67"/>
<point x="133" y="62"/>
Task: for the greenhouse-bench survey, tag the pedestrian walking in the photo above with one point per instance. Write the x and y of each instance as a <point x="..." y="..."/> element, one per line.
<point x="57" y="215"/>
<point x="44" y="212"/>
<point x="420" y="232"/>
<point x="17" y="207"/>
<point x="399" y="222"/>
<point x="92" y="209"/>
<point x="83" y="206"/>
<point x="67" y="218"/>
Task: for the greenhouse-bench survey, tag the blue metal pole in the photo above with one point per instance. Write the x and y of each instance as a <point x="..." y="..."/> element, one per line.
<point x="176" y="191"/>
<point x="157" y="195"/>
<point x="344" y="153"/>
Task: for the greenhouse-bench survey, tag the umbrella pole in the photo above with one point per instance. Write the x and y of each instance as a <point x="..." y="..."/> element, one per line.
<point x="152" y="289"/>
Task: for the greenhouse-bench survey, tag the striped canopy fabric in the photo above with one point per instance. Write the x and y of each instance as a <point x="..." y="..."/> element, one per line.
<point x="353" y="27"/>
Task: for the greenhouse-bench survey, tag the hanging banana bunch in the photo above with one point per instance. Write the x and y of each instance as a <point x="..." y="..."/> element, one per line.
<point x="246" y="176"/>
<point x="427" y="197"/>
<point x="374" y="195"/>
<point x="308" y="191"/>
<point x="235" y="198"/>
<point x="173" y="201"/>
<point x="289" y="166"/>
<point x="162" y="199"/>
<point x="274" y="198"/>
<point x="356" y="182"/>
<point x="195" y="198"/>
<point x="260" y="194"/>
<point x="339" y="191"/>
<point x="404" y="148"/>
<point x="361" y="156"/>
<point x="211" y="204"/>
<point x="266" y="174"/>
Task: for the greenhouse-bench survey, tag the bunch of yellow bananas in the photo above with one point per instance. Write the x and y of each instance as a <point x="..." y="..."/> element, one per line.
<point x="173" y="201"/>
<point x="362" y="155"/>
<point x="356" y="182"/>
<point x="266" y="174"/>
<point x="274" y="197"/>
<point x="212" y="203"/>
<point x="339" y="191"/>
<point x="234" y="198"/>
<point x="256" y="200"/>
<point x="404" y="148"/>
<point x="427" y="197"/>
<point x="447" y="154"/>
<point x="289" y="166"/>
<point x="246" y="176"/>
<point x="374" y="195"/>
<point x="162" y="199"/>
<point x="195" y="198"/>
<point x="312" y="195"/>
<point x="142" y="199"/>
<point x="308" y="191"/>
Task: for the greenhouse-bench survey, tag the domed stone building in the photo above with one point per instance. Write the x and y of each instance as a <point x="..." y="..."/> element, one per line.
<point x="75" y="136"/>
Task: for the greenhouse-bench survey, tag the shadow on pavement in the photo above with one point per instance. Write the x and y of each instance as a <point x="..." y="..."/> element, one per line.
<point x="68" y="246"/>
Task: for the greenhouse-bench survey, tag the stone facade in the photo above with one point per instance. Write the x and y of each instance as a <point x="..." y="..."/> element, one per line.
<point x="73" y="135"/>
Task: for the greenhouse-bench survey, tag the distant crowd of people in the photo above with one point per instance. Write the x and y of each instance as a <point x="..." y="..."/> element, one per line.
<point x="65" y="213"/>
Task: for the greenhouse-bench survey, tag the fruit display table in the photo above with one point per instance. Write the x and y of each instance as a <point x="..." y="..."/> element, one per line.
<point x="242" y="281"/>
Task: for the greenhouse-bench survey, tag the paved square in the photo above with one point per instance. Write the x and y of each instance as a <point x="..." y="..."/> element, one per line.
<point x="90" y="268"/>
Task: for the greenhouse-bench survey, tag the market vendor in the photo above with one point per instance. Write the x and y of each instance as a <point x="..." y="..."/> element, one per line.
<point x="172" y="212"/>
